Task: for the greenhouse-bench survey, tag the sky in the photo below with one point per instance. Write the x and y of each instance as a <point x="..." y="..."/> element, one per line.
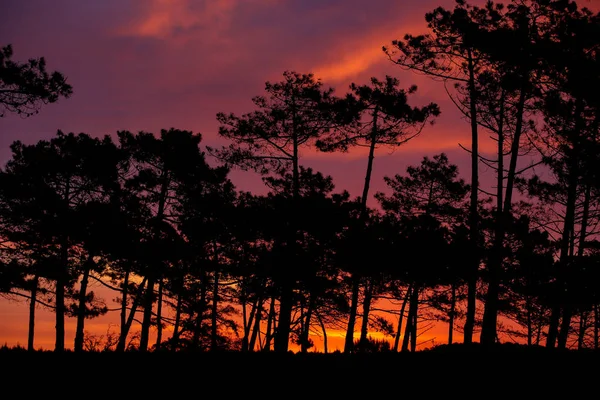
<point x="147" y="65"/>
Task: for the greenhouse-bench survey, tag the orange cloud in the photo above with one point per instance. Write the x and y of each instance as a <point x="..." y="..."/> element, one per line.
<point x="360" y="54"/>
<point x="161" y="19"/>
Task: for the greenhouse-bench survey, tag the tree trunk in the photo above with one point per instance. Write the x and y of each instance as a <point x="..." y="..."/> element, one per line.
<point x="582" y="329"/>
<point x="529" y="323"/>
<point x="324" y="329"/>
<point x="540" y="326"/>
<point x="32" y="303"/>
<point x="474" y="212"/>
<point x="282" y="336"/>
<point x="364" y="330"/>
<point x="270" y="324"/>
<point x="147" y="320"/>
<point x="562" y="339"/>
<point x="247" y="321"/>
<point x="490" y="314"/>
<point x="306" y="330"/>
<point x="127" y="325"/>
<point x="200" y="316"/>
<point x="400" y="318"/>
<point x="159" y="315"/>
<point x="175" y="338"/>
<point x="257" y="321"/>
<point x="411" y="320"/>
<point x="568" y="228"/>
<point x="78" y="347"/>
<point x="413" y="332"/>
<point x="123" y="314"/>
<point x="61" y="280"/>
<point x="452" y="313"/>
<point x="154" y="272"/>
<point x="349" y="341"/>
<point x="60" y="297"/>
<point x="365" y="195"/>
<point x="596" y="326"/>
<point x="214" y="313"/>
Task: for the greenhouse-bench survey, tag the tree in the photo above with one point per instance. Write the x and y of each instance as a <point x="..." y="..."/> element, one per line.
<point x="427" y="205"/>
<point x="159" y="168"/>
<point x="448" y="53"/>
<point x="384" y="119"/>
<point x="46" y="184"/>
<point x="294" y="114"/>
<point x="25" y="87"/>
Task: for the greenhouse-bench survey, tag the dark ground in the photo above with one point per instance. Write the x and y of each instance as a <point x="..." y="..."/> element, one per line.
<point x="506" y="371"/>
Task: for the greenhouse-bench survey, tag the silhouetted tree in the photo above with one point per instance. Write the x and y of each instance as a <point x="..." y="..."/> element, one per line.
<point x="24" y="87"/>
<point x="385" y="119"/>
<point x="449" y="53"/>
<point x="569" y="134"/>
<point x="434" y="191"/>
<point x="51" y="180"/>
<point x="294" y="113"/>
<point x="159" y="166"/>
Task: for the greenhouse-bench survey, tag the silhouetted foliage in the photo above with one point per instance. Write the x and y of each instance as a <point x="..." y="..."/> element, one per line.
<point x="24" y="87"/>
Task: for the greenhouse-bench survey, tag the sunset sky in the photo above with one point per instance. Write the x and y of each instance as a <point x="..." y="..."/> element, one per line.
<point x="152" y="64"/>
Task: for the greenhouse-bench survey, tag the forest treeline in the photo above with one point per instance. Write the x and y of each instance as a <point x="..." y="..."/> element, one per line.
<point x="155" y="218"/>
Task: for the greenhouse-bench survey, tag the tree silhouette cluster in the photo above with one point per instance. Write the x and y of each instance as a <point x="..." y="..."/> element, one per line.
<point x="150" y="218"/>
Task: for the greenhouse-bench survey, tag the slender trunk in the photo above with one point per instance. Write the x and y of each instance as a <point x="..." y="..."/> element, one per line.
<point x="306" y="329"/>
<point x="514" y="150"/>
<point x="584" y="221"/>
<point x="413" y="333"/>
<point x="452" y="313"/>
<point x="175" y="338"/>
<point x="410" y="321"/>
<point x="257" y="321"/>
<point x="32" y="301"/>
<point x="364" y="330"/>
<point x="215" y="303"/>
<point x="324" y="329"/>
<point x="245" y="322"/>
<point x="147" y="320"/>
<point x="154" y="273"/>
<point x="270" y="324"/>
<point x="349" y="341"/>
<point x="365" y="195"/>
<point x="61" y="279"/>
<point x="78" y="346"/>
<point x="582" y="329"/>
<point x="568" y="308"/>
<point x="400" y="318"/>
<point x="200" y="316"/>
<point x="490" y="314"/>
<point x="282" y="336"/>
<point x="564" y="297"/>
<point x="596" y="326"/>
<point x="127" y="326"/>
<point x="553" y="324"/>
<point x="529" y="322"/>
<point x="540" y="325"/>
<point x="474" y="213"/>
<point x="248" y="322"/>
<point x="60" y="297"/>
<point x="159" y="315"/>
<point x="123" y="315"/>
